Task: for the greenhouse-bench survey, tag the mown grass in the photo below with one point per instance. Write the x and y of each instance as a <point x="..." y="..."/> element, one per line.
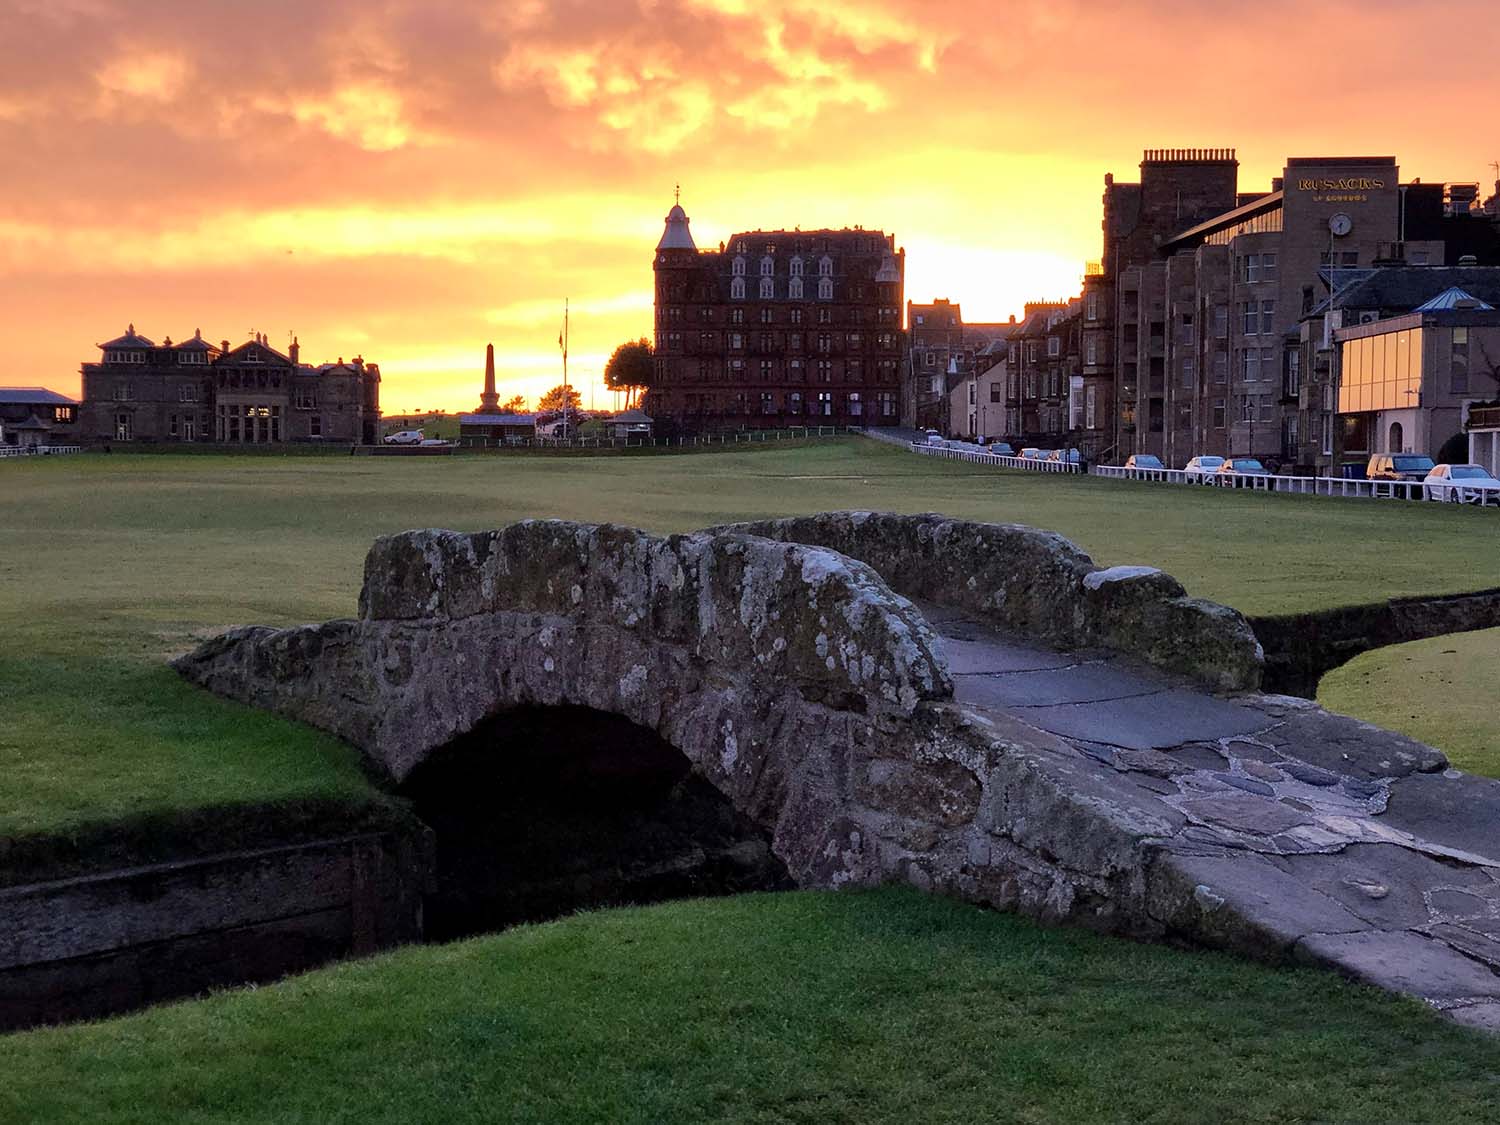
<point x="110" y="564"/>
<point x="1444" y="691"/>
<point x="863" y="1007"/>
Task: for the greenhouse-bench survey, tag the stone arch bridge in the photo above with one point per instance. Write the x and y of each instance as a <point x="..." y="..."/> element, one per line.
<point x="974" y="709"/>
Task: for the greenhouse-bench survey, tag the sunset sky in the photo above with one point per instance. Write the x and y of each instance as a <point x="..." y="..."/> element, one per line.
<point x="410" y="180"/>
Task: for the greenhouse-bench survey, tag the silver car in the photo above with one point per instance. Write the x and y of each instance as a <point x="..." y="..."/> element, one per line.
<point x="1202" y="467"/>
<point x="1461" y="484"/>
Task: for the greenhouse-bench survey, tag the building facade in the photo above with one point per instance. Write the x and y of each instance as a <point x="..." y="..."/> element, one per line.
<point x="1204" y="294"/>
<point x="777" y="329"/>
<point x="197" y="391"/>
<point x="35" y="417"/>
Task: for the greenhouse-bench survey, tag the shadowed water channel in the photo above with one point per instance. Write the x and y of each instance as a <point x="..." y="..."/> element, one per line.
<point x="543" y="811"/>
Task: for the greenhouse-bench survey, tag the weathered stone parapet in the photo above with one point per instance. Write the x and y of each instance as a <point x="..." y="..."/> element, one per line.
<point x="1041" y="586"/>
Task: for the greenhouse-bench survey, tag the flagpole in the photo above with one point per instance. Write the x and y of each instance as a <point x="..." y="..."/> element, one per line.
<point x="566" y="432"/>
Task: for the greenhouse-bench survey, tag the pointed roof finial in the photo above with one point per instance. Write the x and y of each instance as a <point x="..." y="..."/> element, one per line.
<point x="130" y="329"/>
<point x="677" y="194"/>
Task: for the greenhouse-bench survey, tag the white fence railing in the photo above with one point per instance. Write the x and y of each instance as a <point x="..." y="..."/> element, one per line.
<point x="1304" y="486"/>
<point x="37" y="450"/>
<point x="974" y="457"/>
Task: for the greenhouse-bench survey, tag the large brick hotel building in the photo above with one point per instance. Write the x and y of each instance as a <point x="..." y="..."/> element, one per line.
<point x="777" y="329"/>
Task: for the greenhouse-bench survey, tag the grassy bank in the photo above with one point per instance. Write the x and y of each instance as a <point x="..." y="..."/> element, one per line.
<point x="810" y="1007"/>
<point x="110" y="564"/>
<point x="1442" y="691"/>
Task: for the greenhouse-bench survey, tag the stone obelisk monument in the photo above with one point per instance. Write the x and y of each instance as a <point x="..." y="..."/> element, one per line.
<point x="489" y="401"/>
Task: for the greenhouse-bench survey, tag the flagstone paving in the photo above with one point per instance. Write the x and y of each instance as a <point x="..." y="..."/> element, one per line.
<point x="1307" y="835"/>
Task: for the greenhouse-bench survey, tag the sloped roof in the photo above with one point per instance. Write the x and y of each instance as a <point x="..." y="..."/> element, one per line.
<point x="34" y="396"/>
<point x="1407" y="288"/>
<point x="131" y="339"/>
<point x="497" y="419"/>
<point x="632" y="418"/>
<point x="1453" y="298"/>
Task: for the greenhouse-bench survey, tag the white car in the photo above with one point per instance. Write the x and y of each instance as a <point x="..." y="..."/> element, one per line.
<point x="404" y="437"/>
<point x="1462" y="484"/>
<point x="933" y="437"/>
<point x="1202" y="468"/>
<point x="434" y="441"/>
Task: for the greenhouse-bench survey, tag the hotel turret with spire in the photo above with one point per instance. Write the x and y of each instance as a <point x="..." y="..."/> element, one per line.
<point x="777" y="329"/>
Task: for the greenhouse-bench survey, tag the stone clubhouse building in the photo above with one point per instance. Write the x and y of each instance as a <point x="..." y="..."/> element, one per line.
<point x="252" y="394"/>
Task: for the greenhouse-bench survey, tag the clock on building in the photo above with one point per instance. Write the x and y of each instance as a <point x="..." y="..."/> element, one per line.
<point x="1340" y="224"/>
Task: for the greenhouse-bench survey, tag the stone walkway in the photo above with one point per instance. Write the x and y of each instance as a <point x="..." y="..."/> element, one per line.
<point x="1305" y="836"/>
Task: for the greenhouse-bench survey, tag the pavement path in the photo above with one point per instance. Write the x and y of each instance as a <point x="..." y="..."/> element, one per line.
<point x="1307" y="836"/>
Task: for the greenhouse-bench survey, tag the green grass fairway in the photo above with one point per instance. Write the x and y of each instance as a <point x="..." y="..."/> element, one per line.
<point x="108" y="564"/>
<point x="860" y="1007"/>
<point x="1444" y="691"/>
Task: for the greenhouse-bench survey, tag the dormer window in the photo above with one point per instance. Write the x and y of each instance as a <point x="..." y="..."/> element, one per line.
<point x="825" y="266"/>
<point x="796" y="267"/>
<point x="738" y="267"/>
<point x="767" y="266"/>
<point x="251" y="355"/>
<point x="192" y="357"/>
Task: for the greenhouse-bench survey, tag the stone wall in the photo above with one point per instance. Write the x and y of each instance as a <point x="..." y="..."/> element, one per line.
<point x="1041" y="586"/>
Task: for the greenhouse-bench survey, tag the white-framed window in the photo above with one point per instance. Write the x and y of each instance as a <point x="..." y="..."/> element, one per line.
<point x="1268" y="267"/>
<point x="1054" y="346"/>
<point x="1221" y="321"/>
<point x="1250" y="269"/>
<point x="187" y="392"/>
<point x="796" y="267"/>
<point x="825" y="266"/>
<point x="856" y="405"/>
<point x="1189" y="372"/>
<point x="767" y="288"/>
<point x="1091" y="305"/>
<point x="1091" y="349"/>
<point x="315" y="426"/>
<point x="1250" y="314"/>
<point x="737" y="268"/>
<point x="192" y="357"/>
<point x="251" y="355"/>
<point x="794" y="288"/>
<point x="737" y="289"/>
<point x="123" y="427"/>
<point x="768" y="266"/>
<point x="1089" y="402"/>
<point x="1221" y="367"/>
<point x="1267" y="317"/>
<point x="825" y="288"/>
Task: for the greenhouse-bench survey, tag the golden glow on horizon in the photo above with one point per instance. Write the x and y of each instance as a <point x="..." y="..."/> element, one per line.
<point x="412" y="181"/>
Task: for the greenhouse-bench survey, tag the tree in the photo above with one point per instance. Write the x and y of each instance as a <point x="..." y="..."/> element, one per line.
<point x="630" y="370"/>
<point x="516" y="404"/>
<point x="553" y="401"/>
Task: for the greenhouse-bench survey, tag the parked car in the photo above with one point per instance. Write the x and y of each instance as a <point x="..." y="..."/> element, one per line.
<point x="434" y="441"/>
<point x="933" y="437"/>
<point x="1032" y="453"/>
<point x="404" y="437"/>
<point x="1399" y="466"/>
<point x="1002" y="449"/>
<point x="1202" y="467"/>
<point x="1069" y="456"/>
<point x="1462" y="484"/>
<point x="1144" y="461"/>
<point x="1234" y="468"/>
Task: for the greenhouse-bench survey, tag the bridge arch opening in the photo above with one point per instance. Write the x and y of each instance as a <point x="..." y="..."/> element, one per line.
<point x="542" y="811"/>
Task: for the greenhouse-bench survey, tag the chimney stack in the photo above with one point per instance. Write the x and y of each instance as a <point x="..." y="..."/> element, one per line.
<point x="294" y="351"/>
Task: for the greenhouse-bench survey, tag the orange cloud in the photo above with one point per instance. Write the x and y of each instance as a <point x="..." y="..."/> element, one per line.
<point x="412" y="179"/>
